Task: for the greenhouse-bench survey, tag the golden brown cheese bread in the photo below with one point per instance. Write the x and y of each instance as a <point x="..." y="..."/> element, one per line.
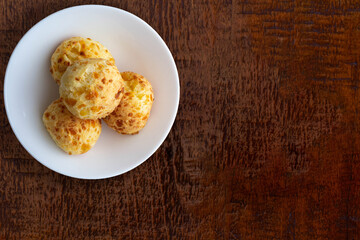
<point x="134" y="109"/>
<point x="74" y="49"/>
<point x="91" y="88"/>
<point x="71" y="134"/>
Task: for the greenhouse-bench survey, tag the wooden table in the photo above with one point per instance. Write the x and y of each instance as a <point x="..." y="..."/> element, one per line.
<point x="266" y="144"/>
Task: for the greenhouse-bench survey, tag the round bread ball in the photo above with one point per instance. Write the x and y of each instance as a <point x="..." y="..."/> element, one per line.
<point x="74" y="49"/>
<point x="134" y="109"/>
<point x="71" y="134"/>
<point x="91" y="88"/>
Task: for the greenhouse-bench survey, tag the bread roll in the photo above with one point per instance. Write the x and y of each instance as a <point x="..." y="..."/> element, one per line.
<point x="71" y="134"/>
<point x="74" y="49"/>
<point x="92" y="88"/>
<point x="134" y="109"/>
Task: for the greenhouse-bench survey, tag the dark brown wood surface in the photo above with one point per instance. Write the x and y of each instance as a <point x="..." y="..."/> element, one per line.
<point x="266" y="144"/>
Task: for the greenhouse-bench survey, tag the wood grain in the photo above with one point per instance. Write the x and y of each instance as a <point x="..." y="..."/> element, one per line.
<point x="266" y="144"/>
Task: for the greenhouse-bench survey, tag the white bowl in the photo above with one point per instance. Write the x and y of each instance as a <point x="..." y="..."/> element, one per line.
<point x="29" y="88"/>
